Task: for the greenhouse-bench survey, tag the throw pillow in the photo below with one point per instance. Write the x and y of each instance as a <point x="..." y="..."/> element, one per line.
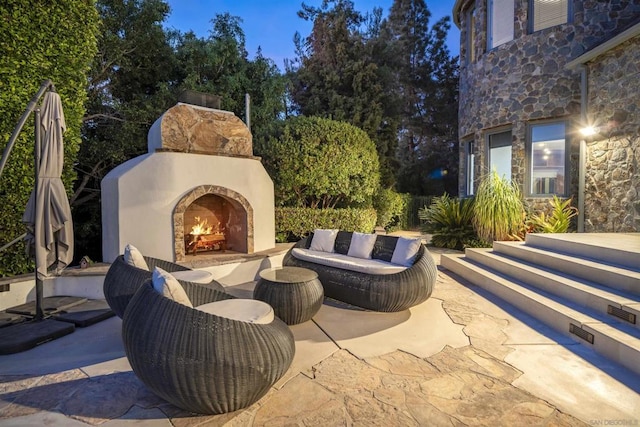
<point x="323" y="240"/>
<point x="361" y="245"/>
<point x="406" y="251"/>
<point x="132" y="256"/>
<point x="168" y="286"/>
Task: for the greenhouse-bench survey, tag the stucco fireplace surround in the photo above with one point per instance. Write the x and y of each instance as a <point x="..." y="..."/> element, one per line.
<point x="198" y="189"/>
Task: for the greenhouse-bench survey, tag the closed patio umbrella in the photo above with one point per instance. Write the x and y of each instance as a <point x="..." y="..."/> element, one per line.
<point x="48" y="215"/>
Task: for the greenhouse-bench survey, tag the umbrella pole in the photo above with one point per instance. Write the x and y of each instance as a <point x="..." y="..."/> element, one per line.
<point x="36" y="232"/>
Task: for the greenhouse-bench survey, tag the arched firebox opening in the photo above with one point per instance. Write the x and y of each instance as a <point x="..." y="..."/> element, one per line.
<point x="212" y="219"/>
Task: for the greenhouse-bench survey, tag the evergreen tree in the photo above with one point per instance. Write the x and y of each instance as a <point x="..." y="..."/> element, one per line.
<point x="334" y="74"/>
<point x="426" y="77"/>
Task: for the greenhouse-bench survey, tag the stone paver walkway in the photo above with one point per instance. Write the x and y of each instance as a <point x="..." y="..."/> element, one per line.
<point x="461" y="358"/>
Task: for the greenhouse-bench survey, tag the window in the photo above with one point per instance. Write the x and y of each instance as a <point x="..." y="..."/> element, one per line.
<point x="470" y="164"/>
<point x="546" y="148"/>
<point x="500" y="22"/>
<point x="471" y="34"/>
<point x="500" y="153"/>
<point x="548" y="13"/>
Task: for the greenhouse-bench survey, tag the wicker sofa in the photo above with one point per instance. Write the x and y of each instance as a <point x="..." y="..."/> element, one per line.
<point x="390" y="292"/>
<point x="123" y="280"/>
<point x="201" y="362"/>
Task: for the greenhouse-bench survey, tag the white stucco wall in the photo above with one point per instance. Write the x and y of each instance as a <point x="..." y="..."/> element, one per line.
<point x="138" y="198"/>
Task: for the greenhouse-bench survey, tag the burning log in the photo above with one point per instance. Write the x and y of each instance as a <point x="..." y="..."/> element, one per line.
<point x="203" y="238"/>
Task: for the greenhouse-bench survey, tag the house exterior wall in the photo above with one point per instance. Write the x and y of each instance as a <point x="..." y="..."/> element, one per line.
<point x="612" y="185"/>
<point x="524" y="82"/>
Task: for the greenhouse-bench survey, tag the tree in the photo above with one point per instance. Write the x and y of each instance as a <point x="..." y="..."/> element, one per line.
<point x="131" y="83"/>
<point x="39" y="41"/>
<point x="322" y="163"/>
<point x="426" y="78"/>
<point x="334" y="75"/>
<point x="392" y="77"/>
<point x="138" y="74"/>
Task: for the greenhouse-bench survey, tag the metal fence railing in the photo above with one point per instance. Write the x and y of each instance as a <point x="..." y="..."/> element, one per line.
<point x="416" y="203"/>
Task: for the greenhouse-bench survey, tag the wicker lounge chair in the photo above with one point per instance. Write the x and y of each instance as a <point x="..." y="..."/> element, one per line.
<point x="201" y="362"/>
<point x="378" y="292"/>
<point x="123" y="280"/>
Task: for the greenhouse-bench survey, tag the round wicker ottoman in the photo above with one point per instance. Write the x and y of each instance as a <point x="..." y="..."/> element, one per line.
<point x="295" y="293"/>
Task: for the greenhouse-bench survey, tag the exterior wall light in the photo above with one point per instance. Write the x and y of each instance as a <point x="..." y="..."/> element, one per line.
<point x="589" y="130"/>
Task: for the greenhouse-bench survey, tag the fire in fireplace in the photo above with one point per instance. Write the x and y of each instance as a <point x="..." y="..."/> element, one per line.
<point x="214" y="223"/>
<point x="203" y="237"/>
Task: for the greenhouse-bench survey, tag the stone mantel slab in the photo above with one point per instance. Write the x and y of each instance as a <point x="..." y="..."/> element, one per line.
<point x="192" y="129"/>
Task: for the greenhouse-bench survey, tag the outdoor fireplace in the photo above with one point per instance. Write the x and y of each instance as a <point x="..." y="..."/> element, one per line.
<point x="198" y="191"/>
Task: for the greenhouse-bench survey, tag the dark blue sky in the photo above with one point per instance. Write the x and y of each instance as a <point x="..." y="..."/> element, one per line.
<point x="272" y="24"/>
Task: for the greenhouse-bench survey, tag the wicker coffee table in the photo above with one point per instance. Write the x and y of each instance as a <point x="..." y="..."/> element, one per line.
<point x="295" y="293"/>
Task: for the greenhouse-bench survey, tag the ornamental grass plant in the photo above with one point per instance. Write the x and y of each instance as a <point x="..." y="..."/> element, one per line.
<point x="498" y="212"/>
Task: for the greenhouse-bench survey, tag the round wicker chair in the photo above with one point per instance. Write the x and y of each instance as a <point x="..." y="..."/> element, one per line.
<point x="378" y="292"/>
<point x="123" y="280"/>
<point x="200" y="362"/>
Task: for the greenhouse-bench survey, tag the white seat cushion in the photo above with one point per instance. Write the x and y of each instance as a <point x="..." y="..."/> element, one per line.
<point x="361" y="245"/>
<point x="195" y="276"/>
<point x="406" y="251"/>
<point x="323" y="240"/>
<point x="243" y="310"/>
<point x="369" y="266"/>
<point x="167" y="285"/>
<point x="133" y="256"/>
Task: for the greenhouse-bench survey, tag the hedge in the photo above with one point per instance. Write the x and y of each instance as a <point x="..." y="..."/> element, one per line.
<point x="295" y="223"/>
<point x="39" y="40"/>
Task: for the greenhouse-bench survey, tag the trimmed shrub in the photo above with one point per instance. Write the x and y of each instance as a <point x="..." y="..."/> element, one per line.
<point x="294" y="223"/>
<point x="391" y="208"/>
<point x="321" y="163"/>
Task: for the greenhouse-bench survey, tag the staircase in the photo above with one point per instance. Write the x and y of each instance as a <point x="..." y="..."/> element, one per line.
<point x="586" y="286"/>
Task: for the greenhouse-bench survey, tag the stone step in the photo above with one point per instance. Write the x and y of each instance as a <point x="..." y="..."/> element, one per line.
<point x="607" y="301"/>
<point x="612" y="276"/>
<point x="622" y="249"/>
<point x="615" y="340"/>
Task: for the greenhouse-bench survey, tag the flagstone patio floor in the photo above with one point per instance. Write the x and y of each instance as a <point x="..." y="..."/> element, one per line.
<point x="461" y="358"/>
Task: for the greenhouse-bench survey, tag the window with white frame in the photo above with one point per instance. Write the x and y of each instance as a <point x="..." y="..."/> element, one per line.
<point x="471" y="34"/>
<point x="547" y="13"/>
<point x="500" y="23"/>
<point x="500" y="153"/>
<point x="547" y="146"/>
<point x="470" y="164"/>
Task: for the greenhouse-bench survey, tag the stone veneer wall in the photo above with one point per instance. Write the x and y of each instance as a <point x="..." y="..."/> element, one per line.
<point x="612" y="187"/>
<point x="525" y="81"/>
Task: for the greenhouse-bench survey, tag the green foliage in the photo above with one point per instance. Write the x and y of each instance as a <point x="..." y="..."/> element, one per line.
<point x="138" y="74"/>
<point x="294" y="223"/>
<point x="558" y="222"/>
<point x="39" y="40"/>
<point x="322" y="163"/>
<point x="499" y="211"/>
<point x="391" y="208"/>
<point x="450" y="222"/>
<point x="394" y="78"/>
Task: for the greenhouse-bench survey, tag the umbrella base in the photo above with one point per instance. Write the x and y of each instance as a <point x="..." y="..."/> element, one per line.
<point x="50" y="305"/>
<point x="26" y="335"/>
<point x="86" y="314"/>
